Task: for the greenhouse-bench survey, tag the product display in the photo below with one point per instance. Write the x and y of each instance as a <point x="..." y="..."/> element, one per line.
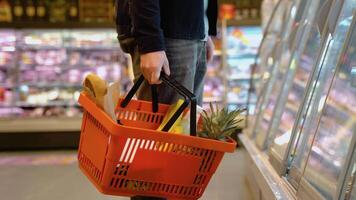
<point x="284" y="72"/>
<point x="272" y="77"/>
<point x="96" y="11"/>
<point x="304" y="67"/>
<point x="47" y="77"/>
<point x="56" y="11"/>
<point x="305" y="125"/>
<point x="336" y="121"/>
<point x="242" y="45"/>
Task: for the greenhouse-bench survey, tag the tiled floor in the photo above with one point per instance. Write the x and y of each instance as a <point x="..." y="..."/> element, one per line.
<point x="55" y="176"/>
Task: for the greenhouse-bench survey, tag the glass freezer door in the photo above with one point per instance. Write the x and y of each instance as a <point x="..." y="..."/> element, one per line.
<point x="283" y="53"/>
<point x="291" y="98"/>
<point x="332" y="111"/>
<point x="266" y="53"/>
<point x="270" y="59"/>
<point x="271" y="36"/>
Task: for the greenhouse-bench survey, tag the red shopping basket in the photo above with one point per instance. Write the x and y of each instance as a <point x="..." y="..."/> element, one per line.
<point x="136" y="159"/>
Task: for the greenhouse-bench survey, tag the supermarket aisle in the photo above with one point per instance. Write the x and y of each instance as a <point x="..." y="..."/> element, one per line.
<point x="55" y="176"/>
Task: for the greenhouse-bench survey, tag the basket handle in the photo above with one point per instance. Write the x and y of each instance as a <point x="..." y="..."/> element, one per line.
<point x="188" y="97"/>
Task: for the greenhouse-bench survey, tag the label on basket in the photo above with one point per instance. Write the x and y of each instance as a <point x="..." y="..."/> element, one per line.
<point x="164" y="167"/>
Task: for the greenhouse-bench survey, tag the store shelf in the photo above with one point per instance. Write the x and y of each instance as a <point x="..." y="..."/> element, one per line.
<point x="6" y="86"/>
<point x="53" y="85"/>
<point x="6" y="105"/>
<point x="55" y="124"/>
<point x="68" y="48"/>
<point x="244" y="22"/>
<point x="300" y="83"/>
<point x="241" y="77"/>
<point x="238" y="102"/>
<point x="212" y="99"/>
<point x="6" y="67"/>
<point x="47" y="25"/>
<point x="292" y="107"/>
<point x="48" y="104"/>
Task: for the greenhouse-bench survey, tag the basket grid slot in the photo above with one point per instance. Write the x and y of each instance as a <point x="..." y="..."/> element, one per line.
<point x="212" y="161"/>
<point x="134" y="115"/>
<point x="121" y="170"/>
<point x="97" y="124"/>
<point x="88" y="165"/>
<point x="203" y="154"/>
<point x="207" y="161"/>
<point x="139" y="186"/>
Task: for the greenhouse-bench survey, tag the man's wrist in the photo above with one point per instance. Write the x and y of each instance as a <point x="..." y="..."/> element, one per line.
<point x="151" y="44"/>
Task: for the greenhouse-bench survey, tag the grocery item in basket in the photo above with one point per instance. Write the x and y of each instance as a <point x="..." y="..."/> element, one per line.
<point x="176" y="127"/>
<point x="111" y="99"/>
<point x="104" y="95"/>
<point x="96" y="88"/>
<point x="185" y="123"/>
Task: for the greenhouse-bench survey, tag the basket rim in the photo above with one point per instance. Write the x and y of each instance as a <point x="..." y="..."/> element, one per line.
<point x="120" y="130"/>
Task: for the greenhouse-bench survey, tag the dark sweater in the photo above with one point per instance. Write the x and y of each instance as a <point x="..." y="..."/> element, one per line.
<point x="149" y="21"/>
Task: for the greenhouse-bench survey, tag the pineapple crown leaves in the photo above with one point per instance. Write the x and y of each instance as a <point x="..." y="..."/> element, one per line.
<point x="220" y="123"/>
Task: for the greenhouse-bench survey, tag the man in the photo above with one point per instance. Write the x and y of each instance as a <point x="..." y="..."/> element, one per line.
<point x="171" y="35"/>
<point x="168" y="35"/>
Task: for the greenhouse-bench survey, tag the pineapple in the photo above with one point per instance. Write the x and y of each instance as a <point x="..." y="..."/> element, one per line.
<point x="219" y="124"/>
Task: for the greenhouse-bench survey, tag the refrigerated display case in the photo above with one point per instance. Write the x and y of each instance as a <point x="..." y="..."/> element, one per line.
<point x="282" y="73"/>
<point x="334" y="124"/>
<point x="352" y="195"/>
<point x="314" y="138"/>
<point x="281" y="46"/>
<point x="271" y="35"/>
<point x="292" y="92"/>
<point x="348" y="185"/>
<point x="45" y="69"/>
<point x="263" y="61"/>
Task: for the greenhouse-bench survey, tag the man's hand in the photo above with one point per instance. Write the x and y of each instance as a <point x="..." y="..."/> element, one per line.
<point x="209" y="50"/>
<point x="152" y="64"/>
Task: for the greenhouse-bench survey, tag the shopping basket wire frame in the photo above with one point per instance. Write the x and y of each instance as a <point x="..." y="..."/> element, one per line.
<point x="133" y="158"/>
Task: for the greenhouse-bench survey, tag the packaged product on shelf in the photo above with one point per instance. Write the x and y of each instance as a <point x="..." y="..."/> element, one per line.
<point x="28" y="76"/>
<point x="41" y="39"/>
<point x="41" y="10"/>
<point x="72" y="76"/>
<point x="96" y="11"/>
<point x="48" y="74"/>
<point x="10" y="112"/>
<point x="72" y="11"/>
<point x="7" y="42"/>
<point x="5" y="11"/>
<point x="57" y="11"/>
<point x="5" y="59"/>
<point x="18" y="10"/>
<point x="27" y="58"/>
<point x="52" y="57"/>
<point x="30" y="10"/>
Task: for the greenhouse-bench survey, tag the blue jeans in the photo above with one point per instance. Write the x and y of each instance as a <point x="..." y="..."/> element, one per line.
<point x="187" y="62"/>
